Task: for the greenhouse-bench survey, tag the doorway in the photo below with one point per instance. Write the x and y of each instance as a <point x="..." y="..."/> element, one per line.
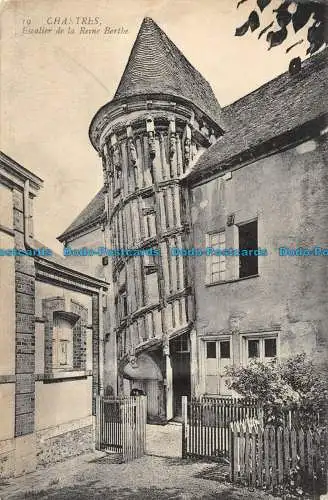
<point x="180" y="358"/>
<point x="217" y="359"/>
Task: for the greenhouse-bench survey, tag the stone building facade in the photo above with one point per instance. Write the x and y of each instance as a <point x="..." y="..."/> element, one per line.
<point x="179" y="171"/>
<point x="263" y="185"/>
<point x="50" y="339"/>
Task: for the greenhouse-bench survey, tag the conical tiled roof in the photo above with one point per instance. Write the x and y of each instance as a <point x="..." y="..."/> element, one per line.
<point x="156" y="66"/>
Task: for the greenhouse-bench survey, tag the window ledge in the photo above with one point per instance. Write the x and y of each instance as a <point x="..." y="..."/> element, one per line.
<point x="232" y="281"/>
<point x="63" y="375"/>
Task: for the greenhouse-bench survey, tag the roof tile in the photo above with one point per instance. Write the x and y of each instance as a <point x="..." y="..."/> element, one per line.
<point x="279" y="106"/>
<point x="156" y="65"/>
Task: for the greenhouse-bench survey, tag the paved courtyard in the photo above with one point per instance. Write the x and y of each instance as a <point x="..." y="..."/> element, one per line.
<point x="159" y="475"/>
<point x="164" y="440"/>
<point x="101" y="476"/>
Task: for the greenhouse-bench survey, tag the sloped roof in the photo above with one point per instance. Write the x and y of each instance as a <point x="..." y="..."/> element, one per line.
<point x="56" y="258"/>
<point x="156" y="65"/>
<point x="278" y="107"/>
<point x="92" y="213"/>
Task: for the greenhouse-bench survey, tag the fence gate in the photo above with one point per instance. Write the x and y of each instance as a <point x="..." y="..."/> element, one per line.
<point x="121" y="426"/>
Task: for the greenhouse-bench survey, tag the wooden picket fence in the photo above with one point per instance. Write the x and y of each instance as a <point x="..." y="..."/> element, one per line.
<point x="206" y="424"/>
<point x="275" y="457"/>
<point x="121" y="426"/>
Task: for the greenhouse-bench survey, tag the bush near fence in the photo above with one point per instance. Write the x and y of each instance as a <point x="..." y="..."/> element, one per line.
<point x="282" y="457"/>
<point x="279" y="459"/>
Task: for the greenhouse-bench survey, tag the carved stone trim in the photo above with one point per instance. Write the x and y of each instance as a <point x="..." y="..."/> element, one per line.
<point x="113" y="111"/>
<point x="51" y="273"/>
<point x="132" y="152"/>
<point x="186" y="151"/>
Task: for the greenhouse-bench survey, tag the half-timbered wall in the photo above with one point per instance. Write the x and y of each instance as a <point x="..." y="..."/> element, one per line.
<point x="143" y="164"/>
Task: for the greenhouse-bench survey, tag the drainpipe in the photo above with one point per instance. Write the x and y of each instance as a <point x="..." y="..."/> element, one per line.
<point x="28" y="241"/>
<point x="101" y="343"/>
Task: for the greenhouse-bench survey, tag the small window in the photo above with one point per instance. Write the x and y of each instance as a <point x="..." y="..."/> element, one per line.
<point x="63" y="352"/>
<point x="151" y="295"/>
<point x="270" y="348"/>
<point x="225" y="349"/>
<point x="148" y="204"/>
<point x="150" y="263"/>
<point x="65" y="335"/>
<point x="216" y="263"/>
<point x="181" y="344"/>
<point x="253" y="348"/>
<point x="248" y="264"/>
<point x="117" y="180"/>
<point x="124" y="304"/>
<point x="148" y="212"/>
<point x="211" y="350"/>
<point x="262" y="349"/>
<point x="62" y="356"/>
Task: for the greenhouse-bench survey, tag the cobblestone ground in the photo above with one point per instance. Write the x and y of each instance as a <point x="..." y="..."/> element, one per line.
<point x="159" y="475"/>
<point x="101" y="476"/>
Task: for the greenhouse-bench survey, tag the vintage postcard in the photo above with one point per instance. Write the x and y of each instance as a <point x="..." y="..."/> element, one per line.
<point x="164" y="249"/>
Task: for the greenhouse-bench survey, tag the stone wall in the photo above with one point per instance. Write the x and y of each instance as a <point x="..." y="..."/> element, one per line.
<point x="95" y="351"/>
<point x="53" y="447"/>
<point x="25" y="326"/>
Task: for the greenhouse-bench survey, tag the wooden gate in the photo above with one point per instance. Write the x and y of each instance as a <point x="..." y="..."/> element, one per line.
<point x="121" y="426"/>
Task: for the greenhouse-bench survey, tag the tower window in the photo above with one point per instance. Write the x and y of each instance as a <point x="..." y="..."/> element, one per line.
<point x="121" y="303"/>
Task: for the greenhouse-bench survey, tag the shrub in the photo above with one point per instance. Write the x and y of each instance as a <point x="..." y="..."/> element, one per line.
<point x="291" y="384"/>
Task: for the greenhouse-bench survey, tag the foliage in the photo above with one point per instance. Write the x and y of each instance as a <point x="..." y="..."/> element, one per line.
<point x="292" y="384"/>
<point x="290" y="13"/>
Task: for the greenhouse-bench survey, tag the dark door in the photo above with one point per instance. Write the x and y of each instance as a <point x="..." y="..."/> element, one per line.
<point x="180" y="356"/>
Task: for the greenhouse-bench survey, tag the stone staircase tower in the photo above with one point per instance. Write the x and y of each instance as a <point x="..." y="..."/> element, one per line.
<point x="163" y="116"/>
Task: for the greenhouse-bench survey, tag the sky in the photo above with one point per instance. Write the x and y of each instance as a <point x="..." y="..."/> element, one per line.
<point x="54" y="83"/>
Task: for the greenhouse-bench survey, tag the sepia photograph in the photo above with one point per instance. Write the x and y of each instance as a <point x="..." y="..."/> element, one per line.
<point x="164" y="249"/>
